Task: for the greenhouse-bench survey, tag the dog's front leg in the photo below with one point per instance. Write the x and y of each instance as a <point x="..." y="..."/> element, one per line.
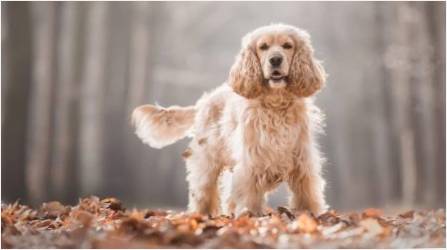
<point x="306" y="183"/>
<point x="246" y="194"/>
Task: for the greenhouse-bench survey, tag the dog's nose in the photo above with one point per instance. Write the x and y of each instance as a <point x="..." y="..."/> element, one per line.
<point x="276" y="61"/>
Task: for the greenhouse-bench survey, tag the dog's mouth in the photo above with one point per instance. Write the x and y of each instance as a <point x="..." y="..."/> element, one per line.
<point x="276" y="76"/>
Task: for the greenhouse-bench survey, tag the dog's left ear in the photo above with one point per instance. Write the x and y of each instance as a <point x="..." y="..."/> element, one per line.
<point x="306" y="75"/>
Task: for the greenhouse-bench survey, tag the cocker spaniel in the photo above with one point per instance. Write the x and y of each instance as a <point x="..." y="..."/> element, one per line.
<point x="260" y="125"/>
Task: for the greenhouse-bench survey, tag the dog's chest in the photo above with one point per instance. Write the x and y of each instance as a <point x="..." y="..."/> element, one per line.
<point x="268" y="129"/>
<point x="271" y="136"/>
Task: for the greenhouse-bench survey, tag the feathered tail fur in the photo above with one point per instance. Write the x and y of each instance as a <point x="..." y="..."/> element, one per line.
<point x="159" y="127"/>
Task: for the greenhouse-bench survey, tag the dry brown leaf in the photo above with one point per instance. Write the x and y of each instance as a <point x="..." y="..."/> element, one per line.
<point x="407" y="215"/>
<point x="304" y="223"/>
<point x="84" y="217"/>
<point x="113" y="204"/>
<point x="372" y="226"/>
<point x="372" y="213"/>
<point x="284" y="210"/>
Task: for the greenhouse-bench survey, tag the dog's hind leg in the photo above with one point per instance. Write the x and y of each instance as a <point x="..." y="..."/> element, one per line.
<point x="202" y="177"/>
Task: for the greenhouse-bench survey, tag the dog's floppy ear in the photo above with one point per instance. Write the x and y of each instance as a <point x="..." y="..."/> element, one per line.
<point x="246" y="74"/>
<point x="306" y="74"/>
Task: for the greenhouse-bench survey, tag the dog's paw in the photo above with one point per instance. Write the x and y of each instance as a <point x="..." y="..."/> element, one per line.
<point x="249" y="212"/>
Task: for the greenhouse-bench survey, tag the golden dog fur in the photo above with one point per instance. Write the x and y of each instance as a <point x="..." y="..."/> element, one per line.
<point x="260" y="125"/>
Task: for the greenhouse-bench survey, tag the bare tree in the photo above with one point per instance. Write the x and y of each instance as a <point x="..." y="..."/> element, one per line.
<point x="16" y="90"/>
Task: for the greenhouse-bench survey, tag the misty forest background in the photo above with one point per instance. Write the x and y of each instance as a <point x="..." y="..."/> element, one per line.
<point x="72" y="72"/>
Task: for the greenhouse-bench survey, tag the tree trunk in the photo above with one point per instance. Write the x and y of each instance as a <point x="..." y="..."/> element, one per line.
<point x="92" y="93"/>
<point x="41" y="127"/>
<point x="16" y="88"/>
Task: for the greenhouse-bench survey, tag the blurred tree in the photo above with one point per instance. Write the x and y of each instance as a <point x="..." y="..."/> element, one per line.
<point x="16" y="91"/>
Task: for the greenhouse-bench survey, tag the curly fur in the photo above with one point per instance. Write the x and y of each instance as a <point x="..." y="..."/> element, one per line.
<point x="262" y="134"/>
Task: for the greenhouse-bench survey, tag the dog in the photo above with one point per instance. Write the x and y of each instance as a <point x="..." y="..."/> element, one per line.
<point x="260" y="125"/>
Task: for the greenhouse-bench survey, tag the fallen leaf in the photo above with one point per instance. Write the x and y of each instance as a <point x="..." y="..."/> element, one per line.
<point x="372" y="226"/>
<point x="407" y="215"/>
<point x="304" y="223"/>
<point x="283" y="210"/>
<point x="372" y="213"/>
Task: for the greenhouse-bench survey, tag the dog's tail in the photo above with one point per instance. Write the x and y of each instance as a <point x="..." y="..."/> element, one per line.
<point x="159" y="127"/>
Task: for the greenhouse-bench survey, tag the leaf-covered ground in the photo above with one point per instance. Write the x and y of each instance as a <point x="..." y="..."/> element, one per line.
<point x="96" y="223"/>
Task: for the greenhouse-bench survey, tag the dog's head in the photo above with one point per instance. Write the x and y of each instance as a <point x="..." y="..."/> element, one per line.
<point x="273" y="57"/>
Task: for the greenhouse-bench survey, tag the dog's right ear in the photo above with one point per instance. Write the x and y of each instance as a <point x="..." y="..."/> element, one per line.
<point x="246" y="74"/>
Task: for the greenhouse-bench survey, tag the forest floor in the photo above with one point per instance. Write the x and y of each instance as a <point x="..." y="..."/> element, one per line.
<point x="96" y="223"/>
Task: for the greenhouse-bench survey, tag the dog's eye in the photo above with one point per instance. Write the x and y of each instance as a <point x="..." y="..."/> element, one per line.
<point x="263" y="46"/>
<point x="287" y="46"/>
